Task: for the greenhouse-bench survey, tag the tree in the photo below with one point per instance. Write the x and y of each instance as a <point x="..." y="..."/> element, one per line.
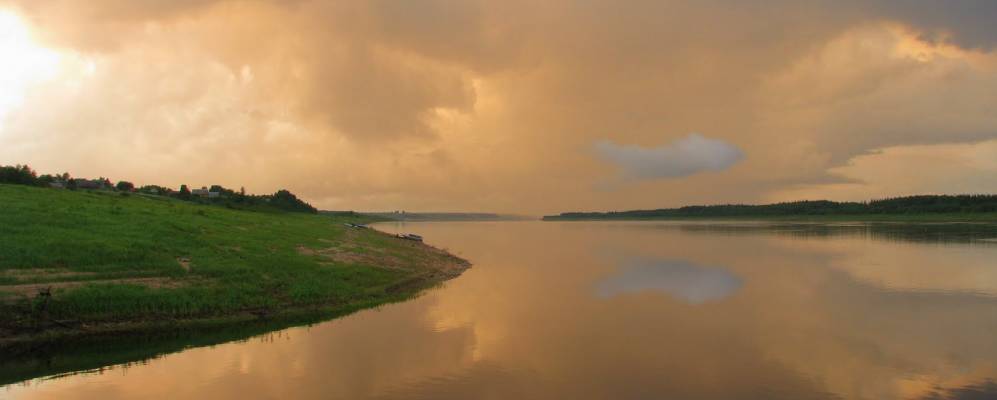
<point x="125" y="186"/>
<point x="19" y="175"/>
<point x="46" y="180"/>
<point x="154" y="189"/>
<point x="287" y="201"/>
<point x="184" y="192"/>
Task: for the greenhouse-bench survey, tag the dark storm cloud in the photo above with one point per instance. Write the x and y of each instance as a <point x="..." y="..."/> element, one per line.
<point x="967" y="23"/>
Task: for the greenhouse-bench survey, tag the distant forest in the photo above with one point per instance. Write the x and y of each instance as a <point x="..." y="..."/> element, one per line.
<point x="215" y="195"/>
<point x="925" y="204"/>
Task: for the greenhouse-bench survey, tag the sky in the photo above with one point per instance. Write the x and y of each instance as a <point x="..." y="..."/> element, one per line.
<point x="508" y="106"/>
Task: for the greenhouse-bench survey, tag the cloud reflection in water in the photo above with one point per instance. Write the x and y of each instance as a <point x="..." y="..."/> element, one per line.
<point x="683" y="280"/>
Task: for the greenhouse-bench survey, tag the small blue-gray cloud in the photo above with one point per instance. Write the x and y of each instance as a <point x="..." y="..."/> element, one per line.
<point x="691" y="283"/>
<point x="686" y="156"/>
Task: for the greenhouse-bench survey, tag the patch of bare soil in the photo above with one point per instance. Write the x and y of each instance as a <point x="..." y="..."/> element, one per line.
<point x="439" y="267"/>
<point x="349" y="251"/>
<point x="306" y="251"/>
<point x="33" y="289"/>
<point x="425" y="260"/>
<point x="184" y="263"/>
<point x="43" y="274"/>
<point x="352" y="253"/>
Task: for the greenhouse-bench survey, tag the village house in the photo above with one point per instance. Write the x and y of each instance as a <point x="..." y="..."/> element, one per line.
<point x="98" y="184"/>
<point x="204" y="192"/>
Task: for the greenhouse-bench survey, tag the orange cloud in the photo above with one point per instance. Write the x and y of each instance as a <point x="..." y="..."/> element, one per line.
<point x="492" y="106"/>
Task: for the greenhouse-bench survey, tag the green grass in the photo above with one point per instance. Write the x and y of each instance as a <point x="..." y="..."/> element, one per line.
<point x="239" y="260"/>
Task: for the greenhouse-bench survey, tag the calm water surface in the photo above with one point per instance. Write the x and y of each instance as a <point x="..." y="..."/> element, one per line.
<point x="605" y="310"/>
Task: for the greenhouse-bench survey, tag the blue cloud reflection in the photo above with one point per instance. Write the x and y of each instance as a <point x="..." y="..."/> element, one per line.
<point x="683" y="280"/>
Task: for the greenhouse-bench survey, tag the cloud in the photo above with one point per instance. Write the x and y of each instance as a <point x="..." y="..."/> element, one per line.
<point x="687" y="156"/>
<point x="908" y="170"/>
<point x="482" y="105"/>
<point x="986" y="389"/>
<point x="966" y="23"/>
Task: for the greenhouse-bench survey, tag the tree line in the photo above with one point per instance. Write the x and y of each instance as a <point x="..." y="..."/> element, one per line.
<point x="922" y="204"/>
<point x="280" y="200"/>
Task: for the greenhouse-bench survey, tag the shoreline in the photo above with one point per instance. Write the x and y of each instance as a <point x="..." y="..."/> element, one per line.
<point x="68" y="353"/>
<point x="89" y="264"/>
<point x="61" y="333"/>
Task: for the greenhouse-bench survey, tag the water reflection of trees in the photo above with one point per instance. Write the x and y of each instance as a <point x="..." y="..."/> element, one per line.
<point x="984" y="234"/>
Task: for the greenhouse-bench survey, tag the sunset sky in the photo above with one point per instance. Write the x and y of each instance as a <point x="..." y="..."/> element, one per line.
<point x="508" y="106"/>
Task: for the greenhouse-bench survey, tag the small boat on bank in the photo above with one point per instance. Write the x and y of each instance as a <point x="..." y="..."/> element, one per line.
<point x="410" y="236"/>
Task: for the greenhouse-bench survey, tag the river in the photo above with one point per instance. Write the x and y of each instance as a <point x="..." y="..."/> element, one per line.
<point x="627" y="310"/>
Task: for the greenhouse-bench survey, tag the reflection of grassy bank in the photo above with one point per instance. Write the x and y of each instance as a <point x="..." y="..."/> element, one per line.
<point x="88" y="353"/>
<point x="89" y="263"/>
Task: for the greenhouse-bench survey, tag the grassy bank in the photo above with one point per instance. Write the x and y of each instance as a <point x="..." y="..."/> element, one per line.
<point x="78" y="263"/>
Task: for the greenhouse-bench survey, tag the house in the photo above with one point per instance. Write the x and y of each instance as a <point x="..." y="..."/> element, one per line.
<point x="91" y="184"/>
<point x="204" y="192"/>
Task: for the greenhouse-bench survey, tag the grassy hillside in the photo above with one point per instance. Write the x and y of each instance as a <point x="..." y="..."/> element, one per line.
<point x="116" y="262"/>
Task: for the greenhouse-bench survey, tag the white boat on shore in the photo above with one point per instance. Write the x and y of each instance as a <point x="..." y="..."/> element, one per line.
<point x="410" y="236"/>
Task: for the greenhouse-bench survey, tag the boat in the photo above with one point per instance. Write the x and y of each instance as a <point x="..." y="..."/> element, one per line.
<point x="410" y="236"/>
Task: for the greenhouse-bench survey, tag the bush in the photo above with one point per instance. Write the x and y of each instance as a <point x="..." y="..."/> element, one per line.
<point x="125" y="186"/>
